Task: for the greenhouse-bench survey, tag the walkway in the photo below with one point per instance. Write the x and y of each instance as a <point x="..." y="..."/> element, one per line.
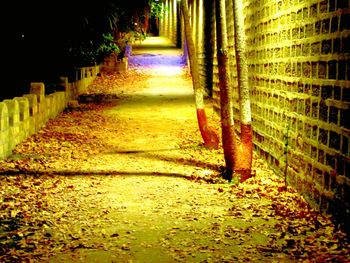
<point x="125" y="179"/>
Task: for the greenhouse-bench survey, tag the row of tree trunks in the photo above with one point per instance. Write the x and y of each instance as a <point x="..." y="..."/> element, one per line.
<point x="237" y="149"/>
<point x="209" y="134"/>
<point x="238" y="153"/>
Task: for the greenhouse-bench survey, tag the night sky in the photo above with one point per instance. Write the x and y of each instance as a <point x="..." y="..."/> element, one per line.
<point x="37" y="37"/>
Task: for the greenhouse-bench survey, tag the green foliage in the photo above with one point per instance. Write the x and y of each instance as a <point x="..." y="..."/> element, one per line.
<point x="121" y="18"/>
<point x="156" y="9"/>
<point x="127" y="38"/>
<point x="90" y="52"/>
<point x="108" y="45"/>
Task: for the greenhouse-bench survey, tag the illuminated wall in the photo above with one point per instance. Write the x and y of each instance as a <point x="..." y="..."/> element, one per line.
<point x="299" y="68"/>
<point x="168" y="24"/>
<point x="299" y="75"/>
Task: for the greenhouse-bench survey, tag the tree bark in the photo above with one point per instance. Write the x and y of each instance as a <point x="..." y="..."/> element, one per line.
<point x="246" y="149"/>
<point x="226" y="108"/>
<point x="209" y="135"/>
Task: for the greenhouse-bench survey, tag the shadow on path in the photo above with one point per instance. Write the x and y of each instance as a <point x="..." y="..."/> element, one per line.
<point x="90" y="173"/>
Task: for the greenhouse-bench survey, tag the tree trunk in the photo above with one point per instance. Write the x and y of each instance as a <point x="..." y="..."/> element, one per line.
<point x="246" y="149"/>
<point x="209" y="135"/>
<point x="146" y="27"/>
<point x="226" y="107"/>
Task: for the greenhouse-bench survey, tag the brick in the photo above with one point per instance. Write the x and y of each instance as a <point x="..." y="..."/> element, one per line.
<point x="345" y="145"/>
<point x="299" y="70"/>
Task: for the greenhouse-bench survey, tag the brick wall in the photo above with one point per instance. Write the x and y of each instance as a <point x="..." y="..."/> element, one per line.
<point x="299" y="75"/>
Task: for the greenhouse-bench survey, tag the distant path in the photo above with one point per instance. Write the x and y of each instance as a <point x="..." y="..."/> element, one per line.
<point x="154" y="125"/>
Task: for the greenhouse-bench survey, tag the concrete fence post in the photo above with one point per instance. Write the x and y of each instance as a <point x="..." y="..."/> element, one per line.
<point x="23" y="117"/>
<point x="38" y="88"/>
<point x="14" y="123"/>
<point x="61" y="101"/>
<point x="56" y="102"/>
<point x="48" y="108"/>
<point x="33" y="112"/>
<point x="4" y="131"/>
<point x="64" y="82"/>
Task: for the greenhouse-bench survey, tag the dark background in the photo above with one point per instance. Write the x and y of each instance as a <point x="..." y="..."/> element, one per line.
<point x="38" y="38"/>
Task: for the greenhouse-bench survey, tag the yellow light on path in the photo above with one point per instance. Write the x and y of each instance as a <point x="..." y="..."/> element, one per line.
<point x="170" y="71"/>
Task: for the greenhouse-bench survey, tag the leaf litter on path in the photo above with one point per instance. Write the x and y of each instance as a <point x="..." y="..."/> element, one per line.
<point x="127" y="180"/>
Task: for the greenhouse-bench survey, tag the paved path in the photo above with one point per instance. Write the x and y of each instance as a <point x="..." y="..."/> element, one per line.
<point x="153" y="213"/>
<point x="109" y="182"/>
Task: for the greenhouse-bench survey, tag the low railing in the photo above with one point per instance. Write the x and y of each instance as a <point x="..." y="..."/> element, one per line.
<point x="23" y="116"/>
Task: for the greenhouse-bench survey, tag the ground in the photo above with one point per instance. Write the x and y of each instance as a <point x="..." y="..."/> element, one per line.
<point x="124" y="177"/>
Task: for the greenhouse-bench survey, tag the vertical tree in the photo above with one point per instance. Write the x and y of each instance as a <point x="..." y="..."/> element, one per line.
<point x="226" y="108"/>
<point x="246" y="147"/>
<point x="209" y="135"/>
<point x="238" y="153"/>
